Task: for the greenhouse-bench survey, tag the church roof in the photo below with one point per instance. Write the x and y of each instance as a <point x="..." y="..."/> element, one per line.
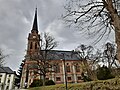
<point x="6" y="70"/>
<point x="57" y="55"/>
<point x="60" y="55"/>
<point x="35" y="27"/>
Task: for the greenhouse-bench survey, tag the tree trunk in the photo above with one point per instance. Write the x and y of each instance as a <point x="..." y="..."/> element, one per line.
<point x="44" y="80"/>
<point x="115" y="21"/>
<point x="116" y="24"/>
<point x="91" y="73"/>
<point x="117" y="36"/>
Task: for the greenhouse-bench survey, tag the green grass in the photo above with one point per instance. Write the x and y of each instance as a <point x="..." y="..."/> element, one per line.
<point x="111" y="84"/>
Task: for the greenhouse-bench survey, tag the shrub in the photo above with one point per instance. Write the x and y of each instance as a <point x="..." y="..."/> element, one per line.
<point x="104" y="73"/>
<point x="49" y="82"/>
<point x="36" y="83"/>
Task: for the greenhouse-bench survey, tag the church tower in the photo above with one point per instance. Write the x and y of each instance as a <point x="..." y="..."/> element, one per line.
<point x="33" y="46"/>
<point x="33" y="49"/>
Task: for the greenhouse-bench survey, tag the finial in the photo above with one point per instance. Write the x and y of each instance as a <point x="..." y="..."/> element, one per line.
<point x="36" y="7"/>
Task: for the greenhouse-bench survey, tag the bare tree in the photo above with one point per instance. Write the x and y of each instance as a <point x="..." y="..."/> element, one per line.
<point x="109" y="55"/>
<point x="85" y="54"/>
<point x="43" y="63"/>
<point x="96" y="59"/>
<point x="97" y="17"/>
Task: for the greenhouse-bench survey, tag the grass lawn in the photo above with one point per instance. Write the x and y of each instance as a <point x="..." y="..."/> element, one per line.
<point x="111" y="84"/>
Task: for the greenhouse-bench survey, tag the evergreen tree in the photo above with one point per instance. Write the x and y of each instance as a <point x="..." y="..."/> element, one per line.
<point x="19" y="74"/>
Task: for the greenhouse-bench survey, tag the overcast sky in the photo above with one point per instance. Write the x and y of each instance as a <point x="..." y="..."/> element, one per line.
<point x="16" y="19"/>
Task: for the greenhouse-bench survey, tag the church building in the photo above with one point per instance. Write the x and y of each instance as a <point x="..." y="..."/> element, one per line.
<point x="66" y="63"/>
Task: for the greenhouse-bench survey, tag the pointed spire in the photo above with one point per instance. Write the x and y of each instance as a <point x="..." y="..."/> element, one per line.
<point x="35" y="27"/>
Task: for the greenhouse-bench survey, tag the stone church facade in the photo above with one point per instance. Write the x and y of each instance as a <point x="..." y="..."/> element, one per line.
<point x="65" y="61"/>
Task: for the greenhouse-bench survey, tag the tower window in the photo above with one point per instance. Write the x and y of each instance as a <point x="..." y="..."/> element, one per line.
<point x="31" y="45"/>
<point x="35" y="45"/>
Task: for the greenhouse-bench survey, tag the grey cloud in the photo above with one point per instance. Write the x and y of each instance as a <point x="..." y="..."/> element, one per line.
<point x="16" y="18"/>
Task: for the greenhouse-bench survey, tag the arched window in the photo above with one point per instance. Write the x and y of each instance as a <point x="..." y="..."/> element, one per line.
<point x="35" y="45"/>
<point x="57" y="68"/>
<point x="68" y="68"/>
<point x="31" y="45"/>
<point x="77" y="68"/>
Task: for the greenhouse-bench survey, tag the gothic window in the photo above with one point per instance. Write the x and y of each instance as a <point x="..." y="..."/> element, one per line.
<point x="35" y="45"/>
<point x="31" y="45"/>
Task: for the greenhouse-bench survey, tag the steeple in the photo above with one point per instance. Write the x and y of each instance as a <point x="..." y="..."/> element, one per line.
<point x="33" y="46"/>
<point x="35" y="27"/>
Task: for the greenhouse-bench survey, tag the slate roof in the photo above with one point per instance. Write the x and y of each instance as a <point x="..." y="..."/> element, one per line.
<point x="2" y="70"/>
<point x="6" y="70"/>
<point x="58" y="55"/>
